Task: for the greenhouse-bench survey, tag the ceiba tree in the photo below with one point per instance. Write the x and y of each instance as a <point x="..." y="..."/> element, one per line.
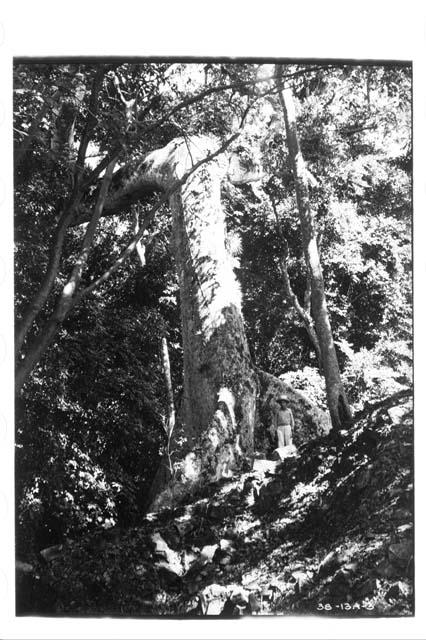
<point x="220" y="385"/>
<point x="223" y="390"/>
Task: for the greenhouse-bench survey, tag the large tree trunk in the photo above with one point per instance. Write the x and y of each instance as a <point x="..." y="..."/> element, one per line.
<point x="223" y="391"/>
<point x="220" y="384"/>
<point x="338" y="405"/>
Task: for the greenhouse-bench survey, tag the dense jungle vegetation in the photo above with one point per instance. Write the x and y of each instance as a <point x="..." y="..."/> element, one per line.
<point x="96" y="324"/>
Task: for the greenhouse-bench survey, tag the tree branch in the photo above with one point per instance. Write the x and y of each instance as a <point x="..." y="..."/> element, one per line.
<point x="95" y="173"/>
<point x="212" y="90"/>
<point x="67" y="299"/>
<point x="140" y="247"/>
<point x="81" y="261"/>
<point x="23" y="148"/>
<point x="90" y="124"/>
<point x="68" y="213"/>
<point x="150" y="216"/>
<point x="46" y="285"/>
<point x="303" y="312"/>
<point x="141" y="189"/>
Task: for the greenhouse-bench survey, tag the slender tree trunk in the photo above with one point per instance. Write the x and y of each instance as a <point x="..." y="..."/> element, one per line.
<point x="302" y="311"/>
<point x="170" y="419"/>
<point x="304" y="315"/>
<point x="43" y="292"/>
<point x="68" y="297"/>
<point x="68" y="213"/>
<point x="169" y="423"/>
<point x="338" y="405"/>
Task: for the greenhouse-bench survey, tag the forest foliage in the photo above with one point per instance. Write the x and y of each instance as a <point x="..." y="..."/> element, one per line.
<point x="90" y="416"/>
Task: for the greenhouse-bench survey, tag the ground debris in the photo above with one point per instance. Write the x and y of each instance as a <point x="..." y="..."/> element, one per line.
<point x="331" y="527"/>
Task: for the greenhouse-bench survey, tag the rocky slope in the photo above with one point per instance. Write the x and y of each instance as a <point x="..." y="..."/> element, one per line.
<point x="329" y="531"/>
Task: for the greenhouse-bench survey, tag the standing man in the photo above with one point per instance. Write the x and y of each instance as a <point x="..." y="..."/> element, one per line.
<point x="283" y="422"/>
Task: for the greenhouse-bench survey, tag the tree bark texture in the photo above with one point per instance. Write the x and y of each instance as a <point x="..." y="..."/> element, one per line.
<point x="340" y="411"/>
<point x="220" y="384"/>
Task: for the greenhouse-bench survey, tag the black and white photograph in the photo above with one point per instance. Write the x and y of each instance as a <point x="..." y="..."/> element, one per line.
<point x="212" y="329"/>
<point x="213" y="337"/>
